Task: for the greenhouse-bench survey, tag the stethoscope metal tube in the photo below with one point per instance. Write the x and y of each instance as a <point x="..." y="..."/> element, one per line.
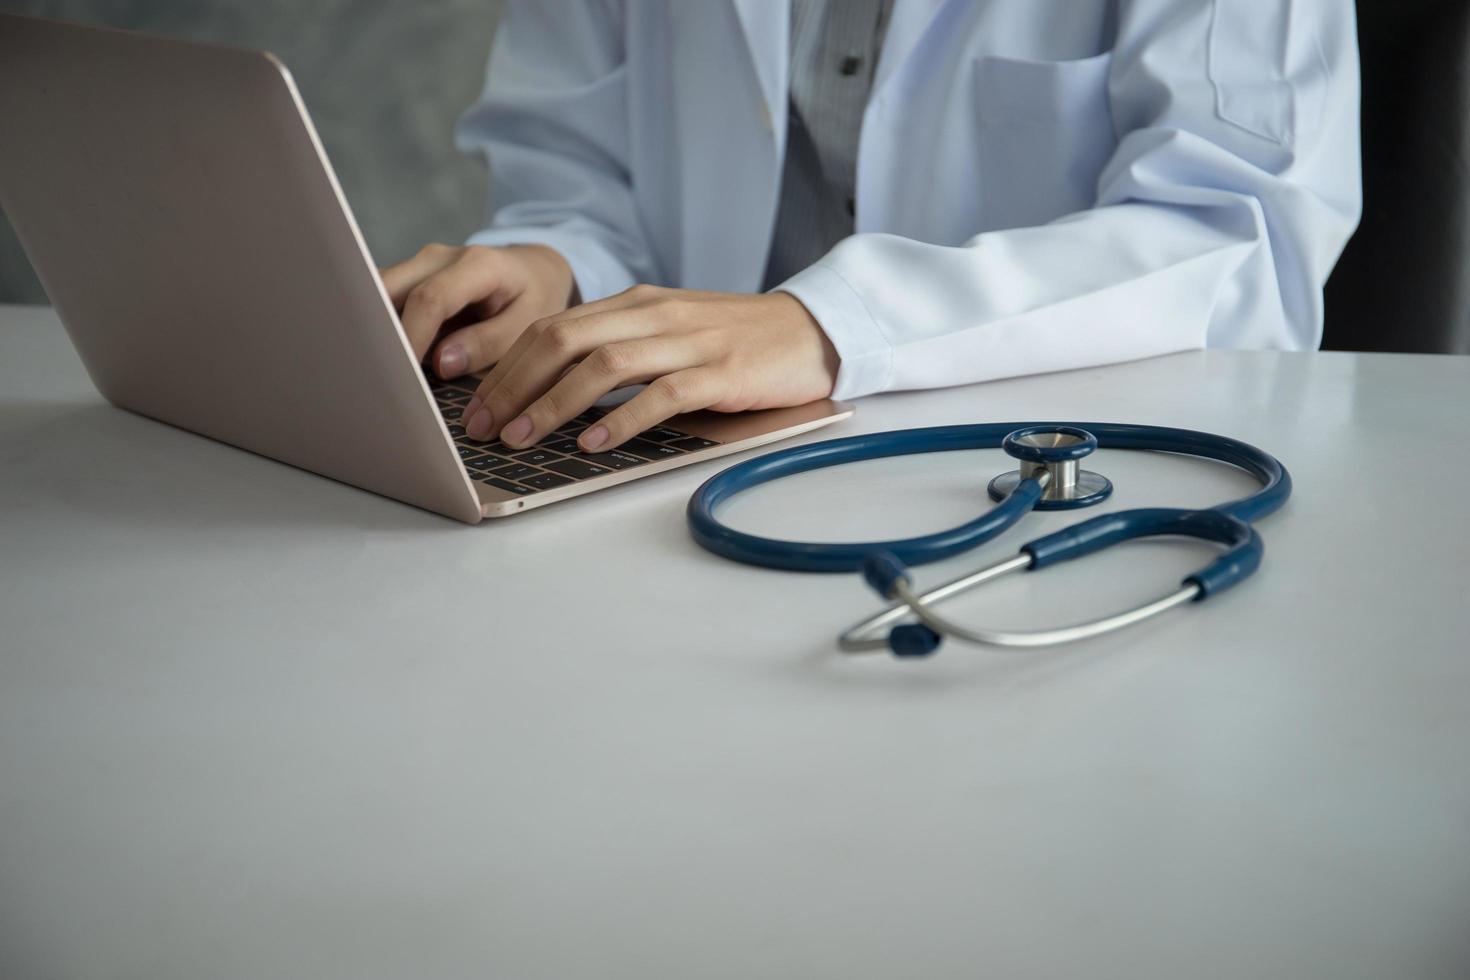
<point x="893" y="582"/>
<point x="890" y="579"/>
<point x="877" y="633"/>
<point x="1049" y="477"/>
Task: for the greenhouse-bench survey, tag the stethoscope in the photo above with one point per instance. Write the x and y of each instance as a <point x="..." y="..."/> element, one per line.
<point x="1049" y="477"/>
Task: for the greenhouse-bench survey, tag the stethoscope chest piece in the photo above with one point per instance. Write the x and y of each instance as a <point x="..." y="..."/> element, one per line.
<point x="1052" y="454"/>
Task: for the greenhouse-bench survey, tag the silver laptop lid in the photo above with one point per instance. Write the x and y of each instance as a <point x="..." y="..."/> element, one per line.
<point x="179" y="210"/>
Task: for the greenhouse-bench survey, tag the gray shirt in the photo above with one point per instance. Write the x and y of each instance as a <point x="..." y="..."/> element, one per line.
<point x="834" y="52"/>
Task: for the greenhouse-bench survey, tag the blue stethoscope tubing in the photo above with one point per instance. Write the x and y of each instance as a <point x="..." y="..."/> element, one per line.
<point x="806" y="556"/>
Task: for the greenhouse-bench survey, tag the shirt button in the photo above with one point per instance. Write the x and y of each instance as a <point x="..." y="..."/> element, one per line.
<point x="850" y="65"/>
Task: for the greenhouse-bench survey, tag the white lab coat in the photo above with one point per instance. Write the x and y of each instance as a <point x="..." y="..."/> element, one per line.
<point x="1042" y="184"/>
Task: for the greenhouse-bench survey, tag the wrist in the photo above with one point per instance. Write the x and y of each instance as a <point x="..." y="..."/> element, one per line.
<point x="821" y="352"/>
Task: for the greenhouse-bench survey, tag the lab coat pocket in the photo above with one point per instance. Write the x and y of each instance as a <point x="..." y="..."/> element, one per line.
<point x="1045" y="131"/>
<point x="1247" y="65"/>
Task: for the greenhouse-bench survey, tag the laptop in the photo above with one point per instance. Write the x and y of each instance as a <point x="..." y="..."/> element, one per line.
<point x="181" y="214"/>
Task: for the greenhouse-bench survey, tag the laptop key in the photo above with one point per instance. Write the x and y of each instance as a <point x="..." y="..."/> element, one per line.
<point x="545" y="481"/>
<point x="615" y="460"/>
<point x="456" y="431"/>
<point x="515" y="471"/>
<point x="564" y="446"/>
<point x="576" y="469"/>
<point x="661" y="433"/>
<point x="691" y="443"/>
<point x="650" y="450"/>
<point x="486" y="463"/>
<point x="500" y="484"/>
<point x="538" y="456"/>
<point x="467" y="452"/>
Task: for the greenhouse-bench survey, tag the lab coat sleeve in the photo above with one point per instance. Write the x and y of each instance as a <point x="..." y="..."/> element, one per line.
<point x="552" y="123"/>
<point x="1232" y="189"/>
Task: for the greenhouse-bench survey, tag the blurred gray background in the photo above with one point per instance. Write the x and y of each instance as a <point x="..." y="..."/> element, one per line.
<point x="383" y="81"/>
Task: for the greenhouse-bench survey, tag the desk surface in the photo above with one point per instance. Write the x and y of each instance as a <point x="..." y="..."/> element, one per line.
<point x="254" y="723"/>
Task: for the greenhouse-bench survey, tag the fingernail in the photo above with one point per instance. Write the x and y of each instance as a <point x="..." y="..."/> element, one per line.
<point x="470" y="410"/>
<point x="479" y="427"/>
<point x="452" y="361"/>
<point x="517" y="431"/>
<point x="595" y="438"/>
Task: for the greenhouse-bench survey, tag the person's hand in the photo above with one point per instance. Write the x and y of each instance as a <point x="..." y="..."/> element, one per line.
<point x="724" y="351"/>
<point x="479" y="297"/>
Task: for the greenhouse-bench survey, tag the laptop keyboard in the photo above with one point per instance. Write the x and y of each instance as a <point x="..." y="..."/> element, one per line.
<point x="555" y="461"/>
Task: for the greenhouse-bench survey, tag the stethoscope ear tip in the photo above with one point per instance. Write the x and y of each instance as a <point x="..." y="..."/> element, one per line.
<point x="883" y="572"/>
<point x="913" y="640"/>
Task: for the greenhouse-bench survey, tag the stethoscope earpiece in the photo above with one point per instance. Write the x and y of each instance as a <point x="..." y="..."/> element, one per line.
<point x="910" y="641"/>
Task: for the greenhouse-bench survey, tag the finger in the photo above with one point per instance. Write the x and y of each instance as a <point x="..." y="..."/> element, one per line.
<point x="524" y="342"/>
<point x="538" y="358"/>
<point x="477" y="346"/>
<point x="399" y="279"/>
<point x="467" y="279"/>
<point x="604" y="369"/>
<point x="637" y="295"/>
<point x="634" y="296"/>
<point x="669" y="395"/>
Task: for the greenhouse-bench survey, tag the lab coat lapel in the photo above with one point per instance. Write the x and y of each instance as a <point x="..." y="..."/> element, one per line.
<point x="766" y="24"/>
<point x="750" y="188"/>
<point x="880" y="171"/>
<point x="733" y="167"/>
<point x="907" y="25"/>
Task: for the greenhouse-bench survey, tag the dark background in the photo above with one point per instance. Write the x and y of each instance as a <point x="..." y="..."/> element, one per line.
<point x="384" y="83"/>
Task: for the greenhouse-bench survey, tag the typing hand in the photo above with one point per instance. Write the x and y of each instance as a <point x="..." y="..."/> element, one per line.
<point x="725" y="351"/>
<point x="479" y="298"/>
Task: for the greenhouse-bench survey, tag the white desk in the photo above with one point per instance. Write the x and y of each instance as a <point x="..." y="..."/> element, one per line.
<point x="257" y="724"/>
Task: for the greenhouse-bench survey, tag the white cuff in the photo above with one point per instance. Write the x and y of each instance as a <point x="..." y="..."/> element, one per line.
<point x="597" y="273"/>
<point x="866" y="357"/>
